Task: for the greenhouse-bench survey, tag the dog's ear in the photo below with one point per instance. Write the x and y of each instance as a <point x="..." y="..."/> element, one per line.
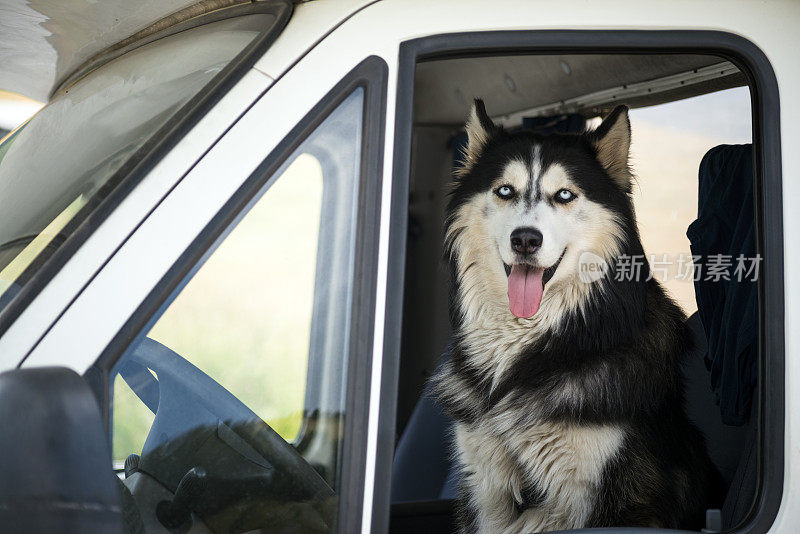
<point x="480" y="129"/>
<point x="612" y="142"/>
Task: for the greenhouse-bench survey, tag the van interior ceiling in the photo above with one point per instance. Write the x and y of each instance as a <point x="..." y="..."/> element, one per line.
<point x="516" y="89"/>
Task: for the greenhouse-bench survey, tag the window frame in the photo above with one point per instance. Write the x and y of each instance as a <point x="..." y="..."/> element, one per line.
<point x="371" y="75"/>
<point x="768" y="209"/>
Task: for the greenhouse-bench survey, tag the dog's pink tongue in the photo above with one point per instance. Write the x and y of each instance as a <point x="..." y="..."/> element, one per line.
<point x="525" y="290"/>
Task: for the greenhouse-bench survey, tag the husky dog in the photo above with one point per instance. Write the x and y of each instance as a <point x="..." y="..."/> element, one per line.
<point x="565" y="378"/>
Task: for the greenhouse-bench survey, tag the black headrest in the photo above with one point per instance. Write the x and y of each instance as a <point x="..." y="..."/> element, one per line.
<point x="55" y="464"/>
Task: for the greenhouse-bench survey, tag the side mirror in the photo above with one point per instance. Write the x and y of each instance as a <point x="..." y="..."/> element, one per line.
<point x="55" y="463"/>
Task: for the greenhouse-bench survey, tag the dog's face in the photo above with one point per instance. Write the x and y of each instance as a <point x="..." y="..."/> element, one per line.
<point x="526" y="208"/>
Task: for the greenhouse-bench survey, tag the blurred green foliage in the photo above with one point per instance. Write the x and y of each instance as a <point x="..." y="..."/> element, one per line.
<point x="245" y="318"/>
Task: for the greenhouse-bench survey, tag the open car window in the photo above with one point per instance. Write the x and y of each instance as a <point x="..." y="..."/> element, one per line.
<point x="238" y="384"/>
<point x="702" y="229"/>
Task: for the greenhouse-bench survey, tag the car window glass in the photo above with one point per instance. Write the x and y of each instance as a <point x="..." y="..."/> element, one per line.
<point x="665" y="195"/>
<point x="243" y="373"/>
<point x="254" y="293"/>
<point x="91" y="129"/>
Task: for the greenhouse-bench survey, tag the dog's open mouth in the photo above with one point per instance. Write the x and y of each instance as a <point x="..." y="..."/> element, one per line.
<point x="526" y="286"/>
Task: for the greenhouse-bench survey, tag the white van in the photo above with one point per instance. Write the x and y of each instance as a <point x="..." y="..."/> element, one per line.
<point x="221" y="278"/>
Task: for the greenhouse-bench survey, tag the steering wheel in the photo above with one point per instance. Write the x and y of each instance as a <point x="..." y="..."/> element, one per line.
<point x="199" y="424"/>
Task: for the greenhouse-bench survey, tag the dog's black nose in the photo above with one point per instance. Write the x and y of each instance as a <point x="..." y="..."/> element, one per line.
<point x="526" y="240"/>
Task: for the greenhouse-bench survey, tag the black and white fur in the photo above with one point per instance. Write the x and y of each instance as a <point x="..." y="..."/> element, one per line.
<point x="572" y="418"/>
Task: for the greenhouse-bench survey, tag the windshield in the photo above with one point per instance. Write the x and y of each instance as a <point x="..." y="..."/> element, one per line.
<point x="53" y="169"/>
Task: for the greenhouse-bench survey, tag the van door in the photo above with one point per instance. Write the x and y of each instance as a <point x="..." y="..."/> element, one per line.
<point x="234" y="328"/>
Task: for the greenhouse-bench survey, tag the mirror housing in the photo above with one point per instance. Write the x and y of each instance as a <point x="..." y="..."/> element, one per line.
<point x="55" y="464"/>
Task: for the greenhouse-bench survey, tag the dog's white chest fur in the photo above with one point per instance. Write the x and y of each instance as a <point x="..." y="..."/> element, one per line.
<point x="564" y="461"/>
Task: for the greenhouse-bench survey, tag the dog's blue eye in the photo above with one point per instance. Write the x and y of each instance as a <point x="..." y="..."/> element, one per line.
<point x="505" y="191"/>
<point x="564" y="196"/>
